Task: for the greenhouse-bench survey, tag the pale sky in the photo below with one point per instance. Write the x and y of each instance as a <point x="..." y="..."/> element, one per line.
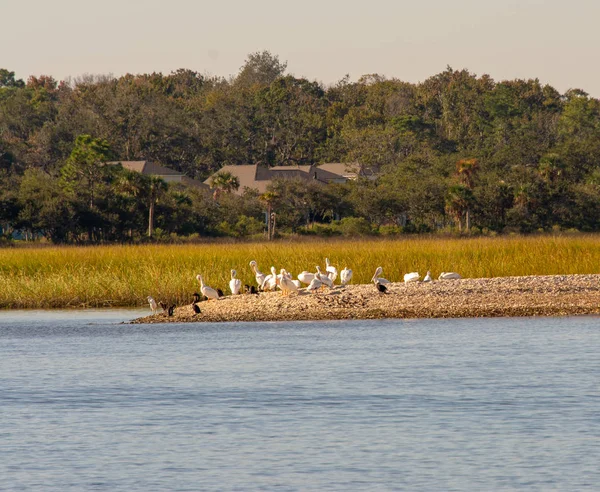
<point x="556" y="41"/>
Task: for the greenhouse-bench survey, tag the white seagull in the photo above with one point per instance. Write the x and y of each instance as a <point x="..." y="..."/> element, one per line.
<point x="260" y="277"/>
<point x="411" y="277"/>
<point x="345" y="275"/>
<point x="332" y="272"/>
<point x="207" y="291"/>
<point x="379" y="280"/>
<point x="153" y="304"/>
<point x="449" y="276"/>
<point x="235" y="284"/>
<point x="427" y="277"/>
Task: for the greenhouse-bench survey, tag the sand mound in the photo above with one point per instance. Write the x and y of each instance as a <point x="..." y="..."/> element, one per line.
<point x="554" y="295"/>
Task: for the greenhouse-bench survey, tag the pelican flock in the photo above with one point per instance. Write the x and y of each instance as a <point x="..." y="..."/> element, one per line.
<point x="284" y="281"/>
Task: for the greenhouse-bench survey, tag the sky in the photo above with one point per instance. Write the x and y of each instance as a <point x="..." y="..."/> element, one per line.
<point x="554" y="41"/>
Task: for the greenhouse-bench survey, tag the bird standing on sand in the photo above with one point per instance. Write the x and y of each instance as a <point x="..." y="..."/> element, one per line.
<point x="153" y="304"/>
<point x="381" y="288"/>
<point x="196" y="297"/>
<point x="325" y="280"/>
<point x="346" y="276"/>
<point x="379" y="280"/>
<point x="260" y="276"/>
<point x="286" y="283"/>
<point x="195" y="308"/>
<point x="449" y="276"/>
<point x="271" y="281"/>
<point x="171" y="310"/>
<point x="235" y="284"/>
<point x="163" y="305"/>
<point x="427" y="277"/>
<point x="315" y="285"/>
<point x="207" y="291"/>
<point x="250" y="289"/>
<point x="332" y="272"/>
<point x="306" y="277"/>
<point x="411" y="277"/>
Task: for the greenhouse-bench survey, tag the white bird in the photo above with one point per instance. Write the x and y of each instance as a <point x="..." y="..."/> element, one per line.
<point x="315" y="285"/>
<point x="449" y="276"/>
<point x="235" y="284"/>
<point x="306" y="277"/>
<point x="411" y="277"/>
<point x="153" y="304"/>
<point x="286" y="283"/>
<point x="260" y="277"/>
<point x="332" y="272"/>
<point x="345" y="275"/>
<point x="324" y="279"/>
<point x="379" y="280"/>
<point x="207" y="291"/>
<point x="271" y="281"/>
<point x="427" y="277"/>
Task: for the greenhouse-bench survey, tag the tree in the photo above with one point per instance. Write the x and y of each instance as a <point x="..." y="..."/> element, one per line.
<point x="224" y="182"/>
<point x="269" y="198"/>
<point x="260" y="68"/>
<point x="458" y="201"/>
<point x="155" y="189"/>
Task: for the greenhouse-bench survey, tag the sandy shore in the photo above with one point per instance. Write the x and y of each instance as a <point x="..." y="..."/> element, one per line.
<point x="555" y="295"/>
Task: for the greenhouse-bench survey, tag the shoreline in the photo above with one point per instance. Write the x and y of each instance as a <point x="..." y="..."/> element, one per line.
<point x="549" y="295"/>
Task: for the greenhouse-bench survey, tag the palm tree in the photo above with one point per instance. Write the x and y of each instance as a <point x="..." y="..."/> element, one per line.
<point x="458" y="200"/>
<point x="269" y="198"/>
<point x="156" y="188"/>
<point x="466" y="170"/>
<point x="224" y="182"/>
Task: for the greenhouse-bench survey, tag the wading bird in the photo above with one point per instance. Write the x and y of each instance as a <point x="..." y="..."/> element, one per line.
<point x="195" y="308"/>
<point x="250" y="289"/>
<point x="379" y="280"/>
<point x="325" y="280"/>
<point x="235" y="284"/>
<point x="306" y="277"/>
<point x="163" y="305"/>
<point x="427" y="277"/>
<point x="171" y="310"/>
<point x="207" y="291"/>
<point x="153" y="304"/>
<point x="315" y="285"/>
<point x="411" y="277"/>
<point x="332" y="272"/>
<point x="449" y="276"/>
<point x="260" y="277"/>
<point x="381" y="288"/>
<point x="286" y="283"/>
<point x="345" y="276"/>
<point x="271" y="281"/>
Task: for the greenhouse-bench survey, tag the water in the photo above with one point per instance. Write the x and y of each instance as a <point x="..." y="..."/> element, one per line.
<point x="476" y="404"/>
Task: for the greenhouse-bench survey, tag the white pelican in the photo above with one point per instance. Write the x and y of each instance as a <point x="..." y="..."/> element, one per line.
<point x="411" y="277"/>
<point x="427" y="277"/>
<point x="332" y="272"/>
<point x="153" y="304"/>
<point x="286" y="283"/>
<point x="325" y="280"/>
<point x="379" y="280"/>
<point x="271" y="281"/>
<point x="315" y="285"/>
<point x="260" y="276"/>
<point x="207" y="291"/>
<point x="306" y="277"/>
<point x="449" y="276"/>
<point x="345" y="275"/>
<point x="235" y="284"/>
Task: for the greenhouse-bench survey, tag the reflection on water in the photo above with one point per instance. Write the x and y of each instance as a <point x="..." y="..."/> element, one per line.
<point x="477" y="404"/>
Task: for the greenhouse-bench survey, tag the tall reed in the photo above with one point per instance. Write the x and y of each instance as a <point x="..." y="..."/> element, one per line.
<point x="54" y="277"/>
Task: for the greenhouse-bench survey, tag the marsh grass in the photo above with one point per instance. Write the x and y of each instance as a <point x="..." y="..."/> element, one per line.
<point x="58" y="277"/>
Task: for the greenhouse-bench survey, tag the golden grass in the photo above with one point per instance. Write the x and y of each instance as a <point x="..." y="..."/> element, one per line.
<point x="53" y="277"/>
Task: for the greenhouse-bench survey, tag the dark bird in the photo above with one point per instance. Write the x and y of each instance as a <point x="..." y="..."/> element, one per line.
<point x="250" y="289"/>
<point x="163" y="305"/>
<point x="171" y="309"/>
<point x="196" y="308"/>
<point x="381" y="288"/>
<point x="220" y="292"/>
<point x="196" y="297"/>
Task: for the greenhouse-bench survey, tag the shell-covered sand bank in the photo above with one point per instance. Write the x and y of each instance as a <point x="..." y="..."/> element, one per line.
<point x="553" y="295"/>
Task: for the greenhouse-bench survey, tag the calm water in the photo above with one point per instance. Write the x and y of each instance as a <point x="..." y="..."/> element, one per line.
<point x="485" y="404"/>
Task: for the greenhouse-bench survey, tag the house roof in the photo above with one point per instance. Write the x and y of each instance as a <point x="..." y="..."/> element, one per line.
<point x="148" y="167"/>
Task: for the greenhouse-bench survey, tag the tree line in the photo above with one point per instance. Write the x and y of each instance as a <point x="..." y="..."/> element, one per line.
<point x="455" y="152"/>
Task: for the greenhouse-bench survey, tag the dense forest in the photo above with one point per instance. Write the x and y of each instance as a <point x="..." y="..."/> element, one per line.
<point x="457" y="152"/>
